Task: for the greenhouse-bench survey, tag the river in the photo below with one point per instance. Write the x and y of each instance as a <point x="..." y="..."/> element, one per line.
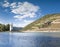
<point x="38" y="39"/>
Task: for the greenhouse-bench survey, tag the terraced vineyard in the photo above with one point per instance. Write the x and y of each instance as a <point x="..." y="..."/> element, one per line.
<point x="47" y="22"/>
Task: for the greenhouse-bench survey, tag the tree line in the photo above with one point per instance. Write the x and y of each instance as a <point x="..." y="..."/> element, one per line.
<point x="4" y="27"/>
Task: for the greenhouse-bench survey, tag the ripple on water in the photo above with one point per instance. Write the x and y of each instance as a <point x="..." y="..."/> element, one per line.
<point x="29" y="40"/>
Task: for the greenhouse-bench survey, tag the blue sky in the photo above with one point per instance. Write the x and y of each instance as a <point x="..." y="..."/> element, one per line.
<point x="22" y="12"/>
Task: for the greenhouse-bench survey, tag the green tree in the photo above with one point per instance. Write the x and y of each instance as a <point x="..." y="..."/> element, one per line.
<point x="1" y="28"/>
<point x="7" y="27"/>
<point x="4" y="27"/>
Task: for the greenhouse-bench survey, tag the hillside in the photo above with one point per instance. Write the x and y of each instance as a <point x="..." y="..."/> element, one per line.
<point x="17" y="29"/>
<point x="47" y="22"/>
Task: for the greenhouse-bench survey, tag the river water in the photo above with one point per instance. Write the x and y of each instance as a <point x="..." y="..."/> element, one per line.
<point x="30" y="39"/>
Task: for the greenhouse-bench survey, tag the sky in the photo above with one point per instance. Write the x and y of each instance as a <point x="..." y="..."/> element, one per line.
<point x="23" y="12"/>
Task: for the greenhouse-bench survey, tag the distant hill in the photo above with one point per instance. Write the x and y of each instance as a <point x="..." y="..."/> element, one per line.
<point x="17" y="28"/>
<point x="47" y="22"/>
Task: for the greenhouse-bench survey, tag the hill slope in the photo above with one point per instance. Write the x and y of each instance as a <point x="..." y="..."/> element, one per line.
<point x="16" y="29"/>
<point x="47" y="22"/>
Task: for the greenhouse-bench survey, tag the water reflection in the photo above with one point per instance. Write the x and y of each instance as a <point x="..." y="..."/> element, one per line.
<point x="4" y="39"/>
<point x="29" y="39"/>
<point x="35" y="40"/>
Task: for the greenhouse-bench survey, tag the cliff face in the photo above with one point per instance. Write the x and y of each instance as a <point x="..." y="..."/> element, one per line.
<point x="47" y="22"/>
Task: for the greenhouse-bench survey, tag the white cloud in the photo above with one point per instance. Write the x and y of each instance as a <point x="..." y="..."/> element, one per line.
<point x="26" y="22"/>
<point x="6" y="4"/>
<point x="20" y="25"/>
<point x="25" y="9"/>
<point x="22" y="10"/>
<point x="31" y="15"/>
<point x="13" y="5"/>
<point x="1" y="22"/>
<point x="5" y="0"/>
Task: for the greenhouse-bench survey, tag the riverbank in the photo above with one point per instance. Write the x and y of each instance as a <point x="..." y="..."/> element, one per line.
<point x="41" y="31"/>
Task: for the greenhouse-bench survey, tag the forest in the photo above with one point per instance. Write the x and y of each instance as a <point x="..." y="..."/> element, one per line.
<point x="4" y="27"/>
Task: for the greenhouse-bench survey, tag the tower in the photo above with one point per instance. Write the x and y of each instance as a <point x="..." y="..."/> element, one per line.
<point x="11" y="27"/>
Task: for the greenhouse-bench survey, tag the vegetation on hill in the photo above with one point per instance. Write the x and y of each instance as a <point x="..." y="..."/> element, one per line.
<point x="44" y="22"/>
